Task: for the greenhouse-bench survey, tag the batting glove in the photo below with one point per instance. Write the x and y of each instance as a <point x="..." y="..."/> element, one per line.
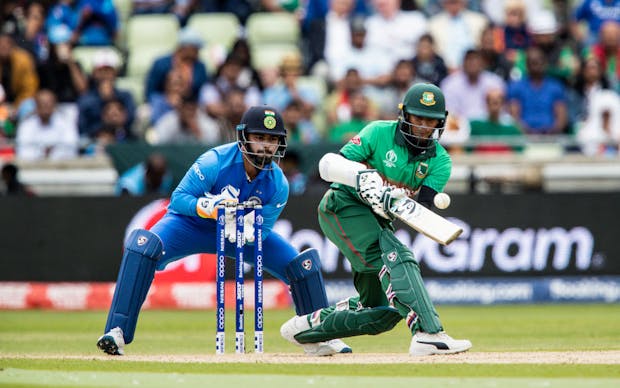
<point x="369" y="186"/>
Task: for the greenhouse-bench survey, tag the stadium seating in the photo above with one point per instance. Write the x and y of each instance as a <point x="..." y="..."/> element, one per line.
<point x="141" y="59"/>
<point x="269" y="28"/>
<point x="270" y="55"/>
<point x="216" y="28"/>
<point x="152" y="30"/>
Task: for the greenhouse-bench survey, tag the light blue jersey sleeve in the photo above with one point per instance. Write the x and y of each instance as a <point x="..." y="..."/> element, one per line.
<point x="274" y="207"/>
<point x="198" y="181"/>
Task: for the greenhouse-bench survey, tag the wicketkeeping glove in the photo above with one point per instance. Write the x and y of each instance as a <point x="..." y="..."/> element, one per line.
<point x="248" y="228"/>
<point x="206" y="207"/>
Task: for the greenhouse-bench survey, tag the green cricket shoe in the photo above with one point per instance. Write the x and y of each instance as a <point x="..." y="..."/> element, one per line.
<point x="426" y="344"/>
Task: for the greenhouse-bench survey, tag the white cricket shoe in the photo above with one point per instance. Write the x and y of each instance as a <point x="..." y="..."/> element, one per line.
<point x="297" y="324"/>
<point x="339" y="346"/>
<point x="425" y="344"/>
<point x="112" y="342"/>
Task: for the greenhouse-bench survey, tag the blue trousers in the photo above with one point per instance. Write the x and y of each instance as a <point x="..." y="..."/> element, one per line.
<point x="183" y="236"/>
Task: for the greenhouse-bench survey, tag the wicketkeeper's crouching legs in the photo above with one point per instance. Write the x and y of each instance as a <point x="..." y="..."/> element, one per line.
<point x="142" y="250"/>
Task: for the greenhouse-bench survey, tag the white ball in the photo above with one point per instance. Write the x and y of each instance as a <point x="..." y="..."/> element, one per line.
<point x="441" y="200"/>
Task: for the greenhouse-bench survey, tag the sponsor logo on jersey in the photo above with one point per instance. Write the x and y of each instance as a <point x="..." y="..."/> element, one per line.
<point x="392" y="256"/>
<point x="142" y="240"/>
<point x="196" y="169"/>
<point x="356" y="140"/>
<point x="307" y="264"/>
<point x="421" y="170"/>
<point x="390" y="159"/>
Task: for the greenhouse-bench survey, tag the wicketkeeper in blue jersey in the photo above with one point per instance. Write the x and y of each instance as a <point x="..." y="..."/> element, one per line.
<point x="245" y="170"/>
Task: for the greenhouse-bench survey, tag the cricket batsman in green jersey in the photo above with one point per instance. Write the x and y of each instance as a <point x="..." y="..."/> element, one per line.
<point x="403" y="157"/>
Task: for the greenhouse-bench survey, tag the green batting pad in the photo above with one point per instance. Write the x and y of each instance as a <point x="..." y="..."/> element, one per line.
<point x="348" y="323"/>
<point x="404" y="286"/>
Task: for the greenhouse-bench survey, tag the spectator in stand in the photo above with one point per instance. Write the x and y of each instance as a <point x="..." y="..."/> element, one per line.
<point x="102" y="89"/>
<point x="514" y="33"/>
<point x="143" y="7"/>
<point x="428" y="65"/>
<point x="496" y="9"/>
<point x="176" y="88"/>
<point x="388" y="97"/>
<point x="228" y="76"/>
<point x="291" y="6"/>
<point x="18" y="77"/>
<point x="33" y="38"/>
<point x="343" y="131"/>
<point x="297" y="180"/>
<point x="46" y="134"/>
<point x="248" y="76"/>
<point x="61" y="73"/>
<point x="300" y="129"/>
<point x="184" y="125"/>
<point x="183" y="9"/>
<point x="374" y="67"/>
<point x="112" y="130"/>
<point x="590" y="80"/>
<point x="595" y="13"/>
<point x="241" y="8"/>
<point x="151" y="177"/>
<point x="234" y="99"/>
<point x="184" y="59"/>
<point x="599" y="133"/>
<point x="337" y="105"/>
<point x="465" y="90"/>
<point x="496" y="125"/>
<point x="287" y="89"/>
<point x="562" y="60"/>
<point x="12" y="185"/>
<point x="92" y="22"/>
<point x="317" y="10"/>
<point x="11" y="22"/>
<point x="394" y="32"/>
<point x="456" y="30"/>
<point x="607" y="51"/>
<point x="493" y="60"/>
<point x="329" y="38"/>
<point x="537" y="102"/>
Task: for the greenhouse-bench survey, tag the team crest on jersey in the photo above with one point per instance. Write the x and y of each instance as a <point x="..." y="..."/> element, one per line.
<point x="421" y="171"/>
<point x="307" y="264"/>
<point x="428" y="99"/>
<point x="392" y="256"/>
<point x="356" y="140"/>
<point x="390" y="159"/>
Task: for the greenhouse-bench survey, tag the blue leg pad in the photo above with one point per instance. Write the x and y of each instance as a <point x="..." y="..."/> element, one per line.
<point x="306" y="281"/>
<point x="142" y="249"/>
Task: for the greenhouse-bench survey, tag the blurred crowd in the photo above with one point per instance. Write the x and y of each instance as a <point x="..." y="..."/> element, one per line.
<point x="79" y="75"/>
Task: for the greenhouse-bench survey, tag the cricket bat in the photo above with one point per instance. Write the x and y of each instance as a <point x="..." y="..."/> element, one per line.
<point x="336" y="168"/>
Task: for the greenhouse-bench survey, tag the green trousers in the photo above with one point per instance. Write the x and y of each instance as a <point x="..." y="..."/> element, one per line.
<point x="361" y="236"/>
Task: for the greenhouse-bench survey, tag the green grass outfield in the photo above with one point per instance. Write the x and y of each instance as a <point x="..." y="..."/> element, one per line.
<point x="175" y="348"/>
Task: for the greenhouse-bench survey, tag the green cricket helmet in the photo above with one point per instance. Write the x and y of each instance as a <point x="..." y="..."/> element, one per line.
<point x="422" y="100"/>
<point x="261" y="120"/>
